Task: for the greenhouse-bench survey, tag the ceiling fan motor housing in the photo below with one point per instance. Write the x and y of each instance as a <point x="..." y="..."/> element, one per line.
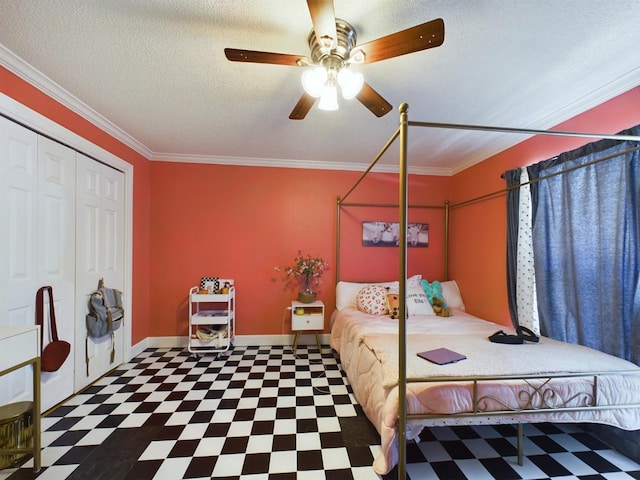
<point x="339" y="55"/>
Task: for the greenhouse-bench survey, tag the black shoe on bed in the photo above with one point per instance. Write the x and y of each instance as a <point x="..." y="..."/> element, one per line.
<point x="501" y="337"/>
<point x="527" y="335"/>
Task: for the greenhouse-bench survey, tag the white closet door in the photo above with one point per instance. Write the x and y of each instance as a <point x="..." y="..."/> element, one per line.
<point x="18" y="244"/>
<point x="100" y="234"/>
<point x="56" y="256"/>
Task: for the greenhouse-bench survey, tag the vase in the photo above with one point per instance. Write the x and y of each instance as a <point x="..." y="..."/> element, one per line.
<point x="307" y="296"/>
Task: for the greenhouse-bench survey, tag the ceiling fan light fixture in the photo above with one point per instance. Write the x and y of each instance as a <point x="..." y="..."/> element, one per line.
<point x="329" y="98"/>
<point x="350" y="83"/>
<point x="327" y="43"/>
<point x="357" y="55"/>
<point x="314" y="80"/>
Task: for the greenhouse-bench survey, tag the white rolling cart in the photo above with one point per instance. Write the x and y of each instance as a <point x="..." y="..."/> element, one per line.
<point x="212" y="317"/>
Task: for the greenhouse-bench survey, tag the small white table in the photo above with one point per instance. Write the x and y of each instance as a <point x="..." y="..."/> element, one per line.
<point x="307" y="317"/>
<point x="20" y="347"/>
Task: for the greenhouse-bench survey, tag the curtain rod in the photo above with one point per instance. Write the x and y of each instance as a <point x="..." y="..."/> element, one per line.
<point x="526" y="131"/>
<point x="536" y="180"/>
<point x="388" y="205"/>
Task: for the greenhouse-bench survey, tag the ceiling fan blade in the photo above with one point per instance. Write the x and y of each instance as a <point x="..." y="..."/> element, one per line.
<point x="324" y="22"/>
<point x="414" y="39"/>
<point x="373" y="100"/>
<point x="254" y="56"/>
<point x="302" y="107"/>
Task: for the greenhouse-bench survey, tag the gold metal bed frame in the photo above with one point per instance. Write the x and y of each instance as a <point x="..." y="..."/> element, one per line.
<point x="536" y="402"/>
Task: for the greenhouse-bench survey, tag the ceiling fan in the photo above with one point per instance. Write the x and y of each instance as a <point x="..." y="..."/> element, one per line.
<point x="332" y="44"/>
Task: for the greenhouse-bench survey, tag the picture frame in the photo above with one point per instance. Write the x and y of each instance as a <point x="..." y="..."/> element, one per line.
<point x="386" y="234"/>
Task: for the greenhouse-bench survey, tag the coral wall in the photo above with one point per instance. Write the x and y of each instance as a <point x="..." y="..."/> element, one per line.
<point x="478" y="230"/>
<point x="241" y="222"/>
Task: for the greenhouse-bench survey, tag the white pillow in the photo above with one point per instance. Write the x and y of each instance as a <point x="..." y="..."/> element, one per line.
<point x="417" y="302"/>
<point x="413" y="281"/>
<point x="451" y="295"/>
<point x="372" y="299"/>
<point x="347" y="292"/>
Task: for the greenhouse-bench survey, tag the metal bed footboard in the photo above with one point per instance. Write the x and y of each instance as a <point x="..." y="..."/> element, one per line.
<point x="538" y="395"/>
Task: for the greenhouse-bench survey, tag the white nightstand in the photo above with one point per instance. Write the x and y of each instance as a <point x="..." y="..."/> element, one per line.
<point x="307" y="317"/>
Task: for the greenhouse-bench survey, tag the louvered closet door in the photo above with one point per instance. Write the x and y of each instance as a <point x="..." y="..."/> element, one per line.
<point x="100" y="254"/>
<point x="18" y="244"/>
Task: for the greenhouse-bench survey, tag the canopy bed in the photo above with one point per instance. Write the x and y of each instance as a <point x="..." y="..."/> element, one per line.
<point x="402" y="393"/>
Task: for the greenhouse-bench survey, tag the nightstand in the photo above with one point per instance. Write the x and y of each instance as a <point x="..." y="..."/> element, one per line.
<point x="307" y="317"/>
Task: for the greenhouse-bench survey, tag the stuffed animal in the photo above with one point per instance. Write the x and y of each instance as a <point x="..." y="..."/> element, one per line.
<point x="440" y="308"/>
<point x="433" y="291"/>
<point x="394" y="305"/>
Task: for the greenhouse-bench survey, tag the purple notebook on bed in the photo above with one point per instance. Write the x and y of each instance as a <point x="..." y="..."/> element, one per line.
<point x="442" y="356"/>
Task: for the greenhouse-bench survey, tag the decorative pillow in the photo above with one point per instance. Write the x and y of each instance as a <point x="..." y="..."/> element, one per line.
<point x="417" y="302"/>
<point x="394" y="305"/>
<point x="413" y="281"/>
<point x="451" y="295"/>
<point x="372" y="299"/>
<point x="346" y="292"/>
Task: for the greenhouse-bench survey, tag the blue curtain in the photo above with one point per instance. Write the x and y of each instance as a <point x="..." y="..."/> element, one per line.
<point x="585" y="240"/>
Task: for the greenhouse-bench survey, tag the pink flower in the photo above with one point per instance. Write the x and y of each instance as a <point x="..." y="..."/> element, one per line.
<point x="307" y="269"/>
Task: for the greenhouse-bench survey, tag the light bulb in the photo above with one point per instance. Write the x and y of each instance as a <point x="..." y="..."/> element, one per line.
<point x="350" y="82"/>
<point x="313" y="81"/>
<point x="329" y="98"/>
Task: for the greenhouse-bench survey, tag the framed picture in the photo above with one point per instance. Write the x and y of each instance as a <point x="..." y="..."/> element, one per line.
<point x="387" y="234"/>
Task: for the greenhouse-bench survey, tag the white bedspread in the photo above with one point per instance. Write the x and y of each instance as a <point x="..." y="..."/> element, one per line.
<point x="368" y="349"/>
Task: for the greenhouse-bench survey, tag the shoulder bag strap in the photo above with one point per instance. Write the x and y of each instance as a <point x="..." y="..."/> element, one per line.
<point x="117" y="296"/>
<point x="40" y="314"/>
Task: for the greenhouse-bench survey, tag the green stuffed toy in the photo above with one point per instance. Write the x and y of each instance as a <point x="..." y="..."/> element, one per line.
<point x="433" y="291"/>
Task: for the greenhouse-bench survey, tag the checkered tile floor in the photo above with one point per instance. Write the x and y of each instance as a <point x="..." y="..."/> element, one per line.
<point x="262" y="413"/>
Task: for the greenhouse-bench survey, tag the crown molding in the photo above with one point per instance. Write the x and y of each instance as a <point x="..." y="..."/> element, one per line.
<point x="29" y="74"/>
<point x="282" y="163"/>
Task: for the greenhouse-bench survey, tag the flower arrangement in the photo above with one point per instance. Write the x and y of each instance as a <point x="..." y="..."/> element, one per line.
<point x="307" y="270"/>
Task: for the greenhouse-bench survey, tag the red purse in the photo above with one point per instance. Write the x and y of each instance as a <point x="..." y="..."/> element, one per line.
<point x="56" y="352"/>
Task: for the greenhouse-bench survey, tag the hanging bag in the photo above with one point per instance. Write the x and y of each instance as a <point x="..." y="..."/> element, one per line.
<point x="56" y="352"/>
<point x="106" y="314"/>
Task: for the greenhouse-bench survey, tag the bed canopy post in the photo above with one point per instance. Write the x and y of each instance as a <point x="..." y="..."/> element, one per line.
<point x="402" y="328"/>
<point x="446" y="240"/>
<point x="338" y="202"/>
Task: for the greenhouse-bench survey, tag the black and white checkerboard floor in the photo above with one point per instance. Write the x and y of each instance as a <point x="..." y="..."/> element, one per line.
<point x="264" y="413"/>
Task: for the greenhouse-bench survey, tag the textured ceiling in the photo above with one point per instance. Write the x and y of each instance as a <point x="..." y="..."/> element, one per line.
<point x="154" y="72"/>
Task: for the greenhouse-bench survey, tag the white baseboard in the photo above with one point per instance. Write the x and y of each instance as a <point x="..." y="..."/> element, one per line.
<point x="306" y="338"/>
